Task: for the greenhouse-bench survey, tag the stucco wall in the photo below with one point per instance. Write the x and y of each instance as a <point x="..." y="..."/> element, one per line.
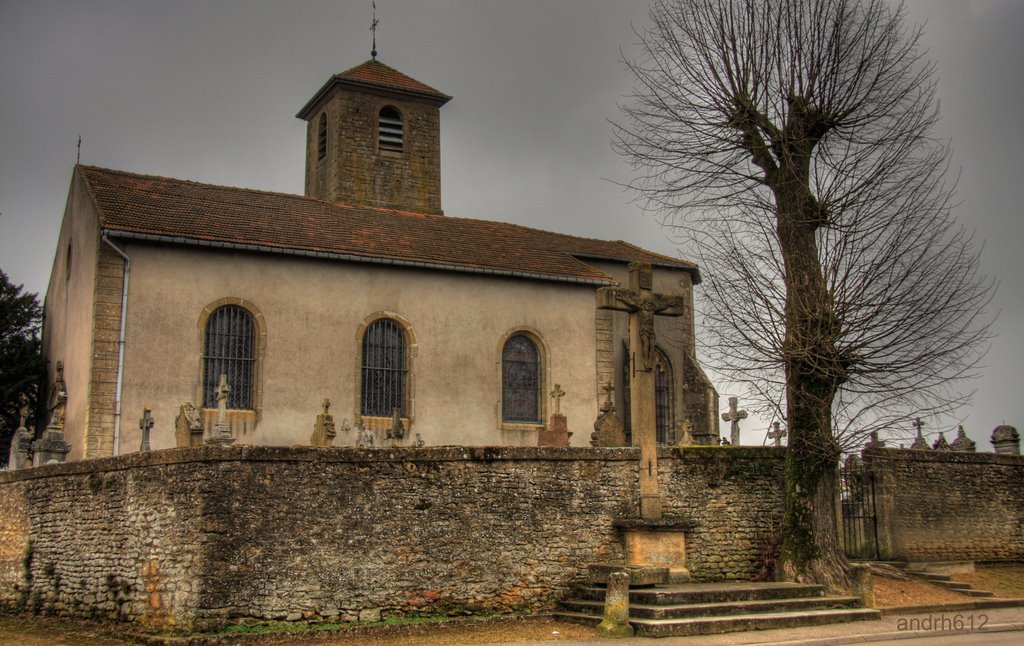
<point x="313" y="310"/>
<point x="193" y="537"/>
<point x="940" y="505"/>
<point x="68" y="311"/>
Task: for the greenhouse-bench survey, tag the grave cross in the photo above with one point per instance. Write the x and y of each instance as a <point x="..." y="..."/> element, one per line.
<point x="609" y="390"/>
<point x="919" y="441"/>
<point x="777" y="434"/>
<point x="643" y="304"/>
<point x="734" y="415"/>
<point x="557" y="395"/>
<point x="221" y="432"/>
<point x="145" y="425"/>
<point x="326" y="405"/>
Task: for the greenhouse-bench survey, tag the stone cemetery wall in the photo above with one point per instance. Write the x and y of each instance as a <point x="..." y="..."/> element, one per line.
<point x="192" y="538"/>
<point x="941" y="505"/>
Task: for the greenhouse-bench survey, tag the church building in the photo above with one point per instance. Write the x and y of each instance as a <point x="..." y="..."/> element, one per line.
<point x="249" y="311"/>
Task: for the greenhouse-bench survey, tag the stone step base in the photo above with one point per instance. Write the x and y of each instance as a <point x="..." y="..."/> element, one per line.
<point x="690" y="593"/>
<point x="941" y="573"/>
<point x="732" y="623"/>
<point x="711" y="608"/>
<point x="727" y="608"/>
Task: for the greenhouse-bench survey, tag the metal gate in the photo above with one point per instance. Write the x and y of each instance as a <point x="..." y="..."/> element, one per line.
<point x="859" y="517"/>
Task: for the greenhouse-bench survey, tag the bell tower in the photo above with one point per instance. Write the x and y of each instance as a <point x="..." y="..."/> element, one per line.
<point x="373" y="139"/>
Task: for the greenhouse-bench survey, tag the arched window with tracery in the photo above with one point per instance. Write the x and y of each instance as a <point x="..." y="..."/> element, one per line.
<point x="229" y="349"/>
<point x="662" y="397"/>
<point x="390" y="130"/>
<point x="520" y="380"/>
<point x="385" y="370"/>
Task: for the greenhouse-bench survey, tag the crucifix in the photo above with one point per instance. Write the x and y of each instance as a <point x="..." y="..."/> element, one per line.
<point x="643" y="304"/>
<point x="777" y="434"/>
<point x="734" y="415"/>
<point x="145" y="425"/>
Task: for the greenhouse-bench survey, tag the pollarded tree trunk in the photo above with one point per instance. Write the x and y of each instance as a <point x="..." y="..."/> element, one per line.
<point x="814" y="372"/>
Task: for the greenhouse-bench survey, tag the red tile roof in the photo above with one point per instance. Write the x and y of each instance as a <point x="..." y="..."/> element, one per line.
<point x="376" y="75"/>
<point x="373" y="72"/>
<point x="180" y="211"/>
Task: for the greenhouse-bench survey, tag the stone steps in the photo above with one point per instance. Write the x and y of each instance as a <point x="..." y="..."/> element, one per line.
<point x="935" y="573"/>
<point x="711" y="608"/>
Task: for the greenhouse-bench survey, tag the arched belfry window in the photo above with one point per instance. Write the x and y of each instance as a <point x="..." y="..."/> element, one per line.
<point x="520" y="380"/>
<point x="662" y="397"/>
<point x="321" y="138"/>
<point x="390" y="133"/>
<point x="385" y="370"/>
<point x="229" y="348"/>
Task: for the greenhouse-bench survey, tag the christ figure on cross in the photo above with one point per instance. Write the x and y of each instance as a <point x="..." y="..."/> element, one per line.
<point x="643" y="304"/>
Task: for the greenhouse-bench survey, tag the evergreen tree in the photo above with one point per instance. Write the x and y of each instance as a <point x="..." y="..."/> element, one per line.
<point x="21" y="362"/>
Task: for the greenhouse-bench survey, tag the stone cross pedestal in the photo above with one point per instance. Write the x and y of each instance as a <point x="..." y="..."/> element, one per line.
<point x="643" y="304"/>
<point x="21" y="444"/>
<point x="962" y="443"/>
<point x="188" y="426"/>
<point x="608" y="429"/>
<point x="397" y="430"/>
<point x="734" y="415"/>
<point x="556" y="433"/>
<point x="1006" y="440"/>
<point x="324" y="431"/>
<point x="51" y="447"/>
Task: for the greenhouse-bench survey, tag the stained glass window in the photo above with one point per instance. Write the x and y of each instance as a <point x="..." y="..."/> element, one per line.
<point x="384" y="370"/>
<point x="520" y="380"/>
<point x="229" y="349"/>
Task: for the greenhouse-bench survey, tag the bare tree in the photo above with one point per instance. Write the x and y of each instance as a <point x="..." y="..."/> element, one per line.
<point x="791" y="142"/>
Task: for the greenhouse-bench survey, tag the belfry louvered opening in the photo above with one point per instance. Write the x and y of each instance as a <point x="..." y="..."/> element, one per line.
<point x="384" y="370"/>
<point x="229" y="349"/>
<point x="390" y="131"/>
<point x="321" y="139"/>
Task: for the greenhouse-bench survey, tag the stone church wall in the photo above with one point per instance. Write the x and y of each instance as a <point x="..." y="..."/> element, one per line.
<point x="191" y="538"/>
<point x="939" y="505"/>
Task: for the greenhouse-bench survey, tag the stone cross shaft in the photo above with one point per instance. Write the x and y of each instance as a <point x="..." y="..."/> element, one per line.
<point x="643" y="305"/>
<point x="734" y="415"/>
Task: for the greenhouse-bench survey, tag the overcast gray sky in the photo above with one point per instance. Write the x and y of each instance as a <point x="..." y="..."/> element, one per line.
<point x="207" y="90"/>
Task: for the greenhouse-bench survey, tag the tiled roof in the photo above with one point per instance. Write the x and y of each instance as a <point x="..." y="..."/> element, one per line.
<point x="185" y="212"/>
<point x="376" y="75"/>
<point x="374" y="72"/>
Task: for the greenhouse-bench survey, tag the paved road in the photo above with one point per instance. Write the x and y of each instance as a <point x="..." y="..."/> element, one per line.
<point x="998" y="626"/>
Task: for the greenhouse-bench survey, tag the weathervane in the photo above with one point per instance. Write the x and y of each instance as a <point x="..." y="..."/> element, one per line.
<point x="373" y="28"/>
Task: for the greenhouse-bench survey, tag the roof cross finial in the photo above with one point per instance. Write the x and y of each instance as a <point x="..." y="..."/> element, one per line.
<point x="373" y="28"/>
